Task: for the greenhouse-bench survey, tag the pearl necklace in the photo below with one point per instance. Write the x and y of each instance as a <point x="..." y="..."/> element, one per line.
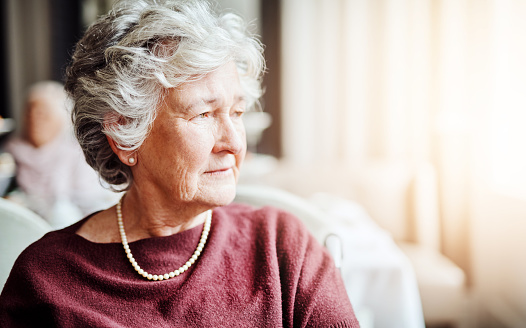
<point x="188" y="264"/>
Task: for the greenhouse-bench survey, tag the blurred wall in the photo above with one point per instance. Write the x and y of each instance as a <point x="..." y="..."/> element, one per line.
<point x="40" y="39"/>
<point x="29" y="47"/>
<point x="4" y="92"/>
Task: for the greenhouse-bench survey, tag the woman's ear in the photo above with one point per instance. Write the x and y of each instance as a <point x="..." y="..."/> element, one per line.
<point x="127" y="157"/>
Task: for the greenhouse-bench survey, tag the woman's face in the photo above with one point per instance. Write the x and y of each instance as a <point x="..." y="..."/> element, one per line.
<point x="197" y="143"/>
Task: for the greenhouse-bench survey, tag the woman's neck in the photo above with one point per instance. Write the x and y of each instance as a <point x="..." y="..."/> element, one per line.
<point x="146" y="217"/>
<point x="143" y="217"/>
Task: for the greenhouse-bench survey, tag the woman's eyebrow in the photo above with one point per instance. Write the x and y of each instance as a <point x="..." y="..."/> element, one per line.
<point x="211" y="101"/>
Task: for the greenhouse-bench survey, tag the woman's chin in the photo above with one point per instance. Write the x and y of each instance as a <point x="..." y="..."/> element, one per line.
<point x="219" y="196"/>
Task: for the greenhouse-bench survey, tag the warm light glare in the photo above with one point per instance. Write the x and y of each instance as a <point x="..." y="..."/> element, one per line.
<point x="507" y="121"/>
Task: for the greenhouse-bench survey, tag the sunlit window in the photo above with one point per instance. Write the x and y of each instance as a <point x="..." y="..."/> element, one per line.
<point x="507" y="120"/>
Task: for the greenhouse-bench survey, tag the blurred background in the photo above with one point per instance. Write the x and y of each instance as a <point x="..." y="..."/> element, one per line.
<point x="416" y="109"/>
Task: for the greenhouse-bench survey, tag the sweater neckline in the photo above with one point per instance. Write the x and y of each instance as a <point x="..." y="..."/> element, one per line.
<point x="72" y="231"/>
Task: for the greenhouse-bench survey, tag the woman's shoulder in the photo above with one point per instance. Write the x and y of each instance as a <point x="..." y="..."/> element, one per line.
<point x="266" y="223"/>
<point x="267" y="215"/>
<point x="37" y="262"/>
<point x="46" y="251"/>
<point x="45" y="248"/>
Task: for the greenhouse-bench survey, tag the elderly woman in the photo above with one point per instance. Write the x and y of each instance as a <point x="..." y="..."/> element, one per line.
<point x="159" y="90"/>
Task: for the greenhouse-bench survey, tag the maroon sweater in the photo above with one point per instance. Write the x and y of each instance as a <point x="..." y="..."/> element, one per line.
<point x="259" y="268"/>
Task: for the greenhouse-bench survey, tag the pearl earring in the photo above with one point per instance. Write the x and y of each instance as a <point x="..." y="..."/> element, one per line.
<point x="131" y="160"/>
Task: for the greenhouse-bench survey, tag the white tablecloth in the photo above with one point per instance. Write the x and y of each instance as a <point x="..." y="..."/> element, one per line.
<point x="378" y="276"/>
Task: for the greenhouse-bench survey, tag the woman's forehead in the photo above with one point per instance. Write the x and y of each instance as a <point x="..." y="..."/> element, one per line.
<point x="216" y="88"/>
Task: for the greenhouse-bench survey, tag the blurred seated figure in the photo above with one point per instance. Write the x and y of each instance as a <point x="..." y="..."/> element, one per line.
<point x="52" y="175"/>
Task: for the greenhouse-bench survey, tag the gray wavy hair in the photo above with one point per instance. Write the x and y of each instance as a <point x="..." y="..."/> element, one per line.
<point x="127" y="60"/>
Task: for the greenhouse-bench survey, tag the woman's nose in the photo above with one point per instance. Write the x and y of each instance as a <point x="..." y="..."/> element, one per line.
<point x="230" y="136"/>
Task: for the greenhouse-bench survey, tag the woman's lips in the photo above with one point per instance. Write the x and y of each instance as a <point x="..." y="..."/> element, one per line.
<point x="222" y="171"/>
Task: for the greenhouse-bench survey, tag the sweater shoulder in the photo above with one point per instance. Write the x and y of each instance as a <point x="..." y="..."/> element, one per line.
<point x="268" y="227"/>
<point x="43" y="251"/>
<point x="266" y="213"/>
<point x="53" y="246"/>
<point x="265" y="218"/>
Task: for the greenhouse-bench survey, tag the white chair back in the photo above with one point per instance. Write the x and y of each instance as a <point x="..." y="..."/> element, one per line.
<point x="19" y="227"/>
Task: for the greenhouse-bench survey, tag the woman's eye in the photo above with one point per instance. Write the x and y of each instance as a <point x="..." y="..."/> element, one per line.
<point x="204" y="115"/>
<point x="239" y="113"/>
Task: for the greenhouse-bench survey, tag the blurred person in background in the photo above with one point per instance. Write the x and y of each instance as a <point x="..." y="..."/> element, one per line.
<point x="52" y="176"/>
<point x="160" y="88"/>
